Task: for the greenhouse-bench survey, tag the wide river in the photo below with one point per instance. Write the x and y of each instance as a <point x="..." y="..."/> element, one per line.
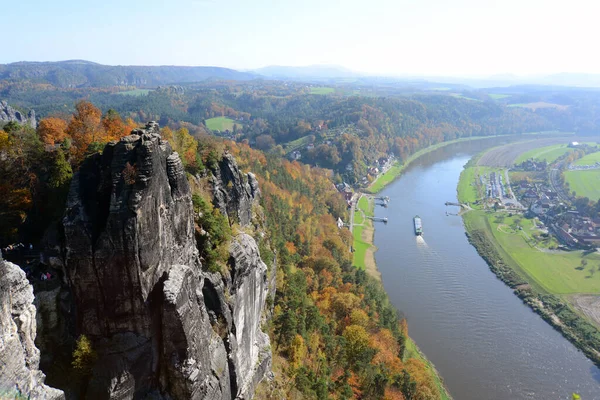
<point x="484" y="341"/>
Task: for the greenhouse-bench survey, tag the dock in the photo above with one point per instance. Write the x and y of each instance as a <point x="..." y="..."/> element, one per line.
<point x="377" y="219"/>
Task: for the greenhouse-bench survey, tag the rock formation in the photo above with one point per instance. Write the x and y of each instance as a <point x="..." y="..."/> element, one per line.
<point x="19" y="358"/>
<point x="8" y="114"/>
<point x="160" y="325"/>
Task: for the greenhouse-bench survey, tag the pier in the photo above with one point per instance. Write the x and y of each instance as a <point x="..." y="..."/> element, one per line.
<point x="377" y="219"/>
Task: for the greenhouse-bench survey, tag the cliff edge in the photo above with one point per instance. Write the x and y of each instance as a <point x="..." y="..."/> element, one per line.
<point x="161" y="326"/>
<point x="20" y="376"/>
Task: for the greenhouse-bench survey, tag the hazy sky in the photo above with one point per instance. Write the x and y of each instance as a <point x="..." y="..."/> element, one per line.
<point x="425" y="37"/>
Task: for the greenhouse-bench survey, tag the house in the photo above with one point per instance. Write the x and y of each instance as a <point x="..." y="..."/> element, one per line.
<point x="295" y="155"/>
<point x="530" y="194"/>
<point x="573" y="144"/>
<point x="340" y="223"/>
<point x="564" y="235"/>
<point x="349" y="167"/>
<point x="310" y="146"/>
<point x="373" y="171"/>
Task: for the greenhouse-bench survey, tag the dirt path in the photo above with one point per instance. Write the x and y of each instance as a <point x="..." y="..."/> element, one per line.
<point x="588" y="305"/>
<point x="370" y="265"/>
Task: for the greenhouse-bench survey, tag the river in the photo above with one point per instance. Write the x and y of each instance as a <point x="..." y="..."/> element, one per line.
<point x="483" y="340"/>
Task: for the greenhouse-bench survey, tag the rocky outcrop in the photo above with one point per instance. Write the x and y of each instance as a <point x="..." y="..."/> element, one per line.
<point x="160" y="325"/>
<point x="234" y="192"/>
<point x="19" y="358"/>
<point x="8" y="114"/>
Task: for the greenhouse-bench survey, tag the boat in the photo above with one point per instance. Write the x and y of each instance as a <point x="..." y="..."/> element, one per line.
<point x="418" y="225"/>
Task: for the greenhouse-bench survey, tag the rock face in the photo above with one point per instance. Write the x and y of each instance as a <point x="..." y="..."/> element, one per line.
<point x="234" y="192"/>
<point x="161" y="326"/>
<point x="8" y="114"/>
<point x="19" y="358"/>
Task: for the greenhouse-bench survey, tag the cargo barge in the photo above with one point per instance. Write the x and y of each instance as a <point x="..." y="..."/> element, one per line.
<point x="418" y="225"/>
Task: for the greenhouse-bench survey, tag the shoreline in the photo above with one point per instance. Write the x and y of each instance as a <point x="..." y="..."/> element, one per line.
<point x="549" y="306"/>
<point x="367" y="237"/>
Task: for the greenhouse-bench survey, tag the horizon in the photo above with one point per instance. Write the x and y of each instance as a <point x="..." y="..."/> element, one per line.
<point x="385" y="38"/>
<point x="498" y="76"/>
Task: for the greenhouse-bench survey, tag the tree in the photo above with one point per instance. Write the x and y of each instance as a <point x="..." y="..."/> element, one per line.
<point x="60" y="172"/>
<point x="114" y="127"/>
<point x="84" y="356"/>
<point x="357" y="343"/>
<point x="52" y="130"/>
<point x="297" y="351"/>
<point x="84" y="128"/>
<point x="265" y="142"/>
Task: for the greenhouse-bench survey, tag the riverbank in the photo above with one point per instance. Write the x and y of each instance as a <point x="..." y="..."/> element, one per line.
<point x="364" y="258"/>
<point x="545" y="280"/>
<point x="396" y="170"/>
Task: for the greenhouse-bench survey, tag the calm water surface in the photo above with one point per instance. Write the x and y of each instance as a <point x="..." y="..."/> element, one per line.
<point x="484" y="341"/>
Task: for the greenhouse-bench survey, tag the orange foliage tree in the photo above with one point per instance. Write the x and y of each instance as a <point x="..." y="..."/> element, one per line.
<point x="84" y="128"/>
<point x="52" y="130"/>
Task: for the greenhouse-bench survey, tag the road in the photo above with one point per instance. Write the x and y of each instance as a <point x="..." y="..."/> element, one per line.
<point x="514" y="198"/>
<point x="555" y="183"/>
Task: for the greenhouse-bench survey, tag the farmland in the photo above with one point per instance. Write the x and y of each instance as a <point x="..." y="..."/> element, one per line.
<point x="321" y="90"/>
<point x="498" y="96"/>
<point x="589" y="159"/>
<point x="585" y="183"/>
<point x="505" y="156"/>
<point x="548" y="153"/>
<point x="220" y="124"/>
<point x="557" y="272"/>
<point x="135" y="92"/>
<point x="539" y="105"/>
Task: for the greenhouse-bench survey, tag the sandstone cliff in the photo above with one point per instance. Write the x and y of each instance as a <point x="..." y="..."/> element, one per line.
<point x="8" y="114"/>
<point x="160" y="324"/>
<point x="19" y="358"/>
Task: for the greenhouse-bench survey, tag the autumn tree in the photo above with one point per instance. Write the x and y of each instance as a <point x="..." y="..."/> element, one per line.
<point x="84" y="128"/>
<point x="114" y="127"/>
<point x="52" y="130"/>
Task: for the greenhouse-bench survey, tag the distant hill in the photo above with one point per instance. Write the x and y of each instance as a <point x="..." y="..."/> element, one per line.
<point x="318" y="72"/>
<point x="81" y="73"/>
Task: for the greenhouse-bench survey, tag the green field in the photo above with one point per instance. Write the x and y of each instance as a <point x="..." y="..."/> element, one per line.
<point x="135" y="92"/>
<point x="589" y="159"/>
<point x="555" y="273"/>
<point x="467" y="191"/>
<point x="220" y="124"/>
<point x="361" y="246"/>
<point x="548" y="153"/>
<point x="321" y="90"/>
<point x="460" y="96"/>
<point x="584" y="183"/>
<point x="498" y="96"/>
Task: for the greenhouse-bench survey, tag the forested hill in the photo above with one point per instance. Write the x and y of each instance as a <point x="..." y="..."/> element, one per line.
<point x="80" y="73"/>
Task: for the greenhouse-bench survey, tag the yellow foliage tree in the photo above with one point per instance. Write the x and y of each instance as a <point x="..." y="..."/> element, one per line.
<point x="297" y="351"/>
<point x="84" y="355"/>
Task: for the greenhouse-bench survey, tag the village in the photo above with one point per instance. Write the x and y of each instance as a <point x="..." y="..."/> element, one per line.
<point x="570" y="220"/>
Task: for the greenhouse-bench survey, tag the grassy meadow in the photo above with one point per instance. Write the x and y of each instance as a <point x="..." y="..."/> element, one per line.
<point x="585" y="183"/>
<point x="321" y="90"/>
<point x="220" y="124"/>
<point x="589" y="159"/>
<point x="548" y="153"/>
<point x="361" y="244"/>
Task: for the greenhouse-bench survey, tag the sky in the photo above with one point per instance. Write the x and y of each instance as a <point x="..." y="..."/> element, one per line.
<point x="383" y="37"/>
